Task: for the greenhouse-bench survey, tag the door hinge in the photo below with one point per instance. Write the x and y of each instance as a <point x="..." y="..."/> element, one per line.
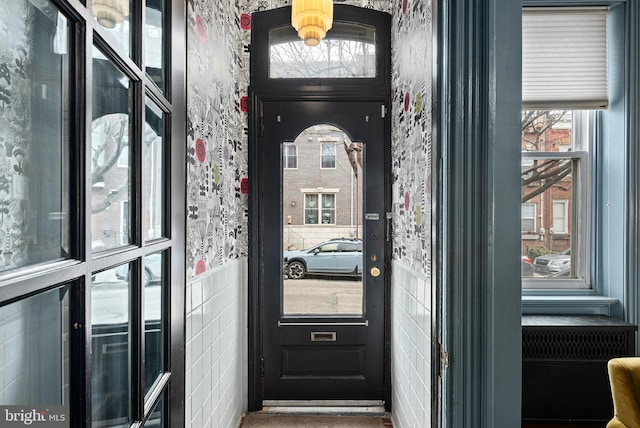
<point x="444" y="358"/>
<point x="383" y="111"/>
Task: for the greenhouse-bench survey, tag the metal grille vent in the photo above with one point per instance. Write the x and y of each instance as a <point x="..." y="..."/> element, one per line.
<point x="575" y="345"/>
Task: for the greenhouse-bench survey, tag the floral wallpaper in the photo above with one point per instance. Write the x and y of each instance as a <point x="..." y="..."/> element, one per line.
<point x="412" y="133"/>
<point x="219" y="34"/>
<point x="16" y="22"/>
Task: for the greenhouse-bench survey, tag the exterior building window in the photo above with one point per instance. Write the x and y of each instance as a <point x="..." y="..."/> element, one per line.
<point x="528" y="217"/>
<point x="320" y="208"/>
<point x="289" y="156"/>
<point x="328" y="156"/>
<point x="560" y="221"/>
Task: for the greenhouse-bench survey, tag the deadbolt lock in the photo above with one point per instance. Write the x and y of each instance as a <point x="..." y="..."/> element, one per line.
<point x="375" y="272"/>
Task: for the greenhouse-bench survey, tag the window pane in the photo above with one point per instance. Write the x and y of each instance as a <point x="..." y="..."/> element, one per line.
<point x="111" y="348"/>
<point x="347" y="52"/>
<point x="529" y="218"/>
<point x="311" y="209"/>
<point x="154" y="322"/>
<point x="154" y="171"/>
<point x="110" y="131"/>
<point x="154" y="42"/>
<point x="328" y="209"/>
<point x="290" y="156"/>
<point x="328" y="155"/>
<point x="34" y="134"/>
<point x="34" y="350"/>
<point x="553" y="141"/>
<point x="114" y="17"/>
<point x="560" y="217"/>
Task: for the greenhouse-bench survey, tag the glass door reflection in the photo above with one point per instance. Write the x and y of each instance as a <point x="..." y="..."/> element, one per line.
<point x="322" y="223"/>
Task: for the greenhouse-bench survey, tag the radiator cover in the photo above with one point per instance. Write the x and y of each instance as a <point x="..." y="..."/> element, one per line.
<point x="564" y="365"/>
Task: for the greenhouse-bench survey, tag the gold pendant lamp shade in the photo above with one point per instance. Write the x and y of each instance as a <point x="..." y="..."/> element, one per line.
<point x="109" y="13"/>
<point x="312" y="19"/>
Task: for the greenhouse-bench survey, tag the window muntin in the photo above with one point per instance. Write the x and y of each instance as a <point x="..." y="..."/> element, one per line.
<point x="110" y="135"/>
<point x="328" y="155"/>
<point x="347" y="52"/>
<point x="34" y="134"/>
<point x="555" y="171"/>
<point x="289" y="156"/>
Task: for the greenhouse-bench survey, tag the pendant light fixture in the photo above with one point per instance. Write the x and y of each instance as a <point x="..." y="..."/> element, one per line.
<point x="312" y="19"/>
<point x="109" y="13"/>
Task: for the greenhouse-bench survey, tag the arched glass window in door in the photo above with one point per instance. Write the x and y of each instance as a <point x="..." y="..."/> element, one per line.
<point x="322" y="225"/>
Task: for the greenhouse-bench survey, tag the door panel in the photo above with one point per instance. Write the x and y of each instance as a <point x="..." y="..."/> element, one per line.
<point x="323" y="298"/>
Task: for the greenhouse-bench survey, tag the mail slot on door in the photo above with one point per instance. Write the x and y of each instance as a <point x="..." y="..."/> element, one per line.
<point x="323" y="336"/>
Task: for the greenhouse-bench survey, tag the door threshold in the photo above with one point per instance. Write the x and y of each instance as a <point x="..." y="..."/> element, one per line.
<point x="341" y="407"/>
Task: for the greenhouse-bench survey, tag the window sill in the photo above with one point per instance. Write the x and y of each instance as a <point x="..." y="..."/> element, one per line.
<point x="568" y="305"/>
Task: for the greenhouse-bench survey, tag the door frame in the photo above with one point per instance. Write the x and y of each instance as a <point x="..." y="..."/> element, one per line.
<point x="261" y="89"/>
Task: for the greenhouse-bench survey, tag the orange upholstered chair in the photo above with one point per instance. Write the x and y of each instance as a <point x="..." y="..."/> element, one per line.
<point x="624" y="376"/>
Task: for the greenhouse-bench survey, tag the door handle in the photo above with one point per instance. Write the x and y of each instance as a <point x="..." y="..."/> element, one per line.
<point x="375" y="271"/>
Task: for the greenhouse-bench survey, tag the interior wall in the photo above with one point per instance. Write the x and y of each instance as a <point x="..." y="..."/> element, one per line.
<point x="412" y="64"/>
<point x="216" y="367"/>
<point x="218" y="79"/>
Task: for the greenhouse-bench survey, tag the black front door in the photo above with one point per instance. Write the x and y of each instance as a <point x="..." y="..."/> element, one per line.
<point x="323" y="249"/>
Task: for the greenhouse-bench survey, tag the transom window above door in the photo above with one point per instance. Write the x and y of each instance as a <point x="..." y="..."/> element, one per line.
<point x="348" y="51"/>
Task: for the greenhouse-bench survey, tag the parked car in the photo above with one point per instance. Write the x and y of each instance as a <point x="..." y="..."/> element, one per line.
<point x="552" y="263"/>
<point x="527" y="266"/>
<point x="333" y="257"/>
<point x="564" y="273"/>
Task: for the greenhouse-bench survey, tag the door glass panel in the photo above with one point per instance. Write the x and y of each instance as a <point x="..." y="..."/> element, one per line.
<point x="34" y="133"/>
<point x="154" y="42"/>
<point x="322" y="225"/>
<point x="154" y="171"/>
<point x="110" y="160"/>
<point x="34" y="350"/>
<point x="153" y="318"/>
<point x="111" y="348"/>
<point x="348" y="51"/>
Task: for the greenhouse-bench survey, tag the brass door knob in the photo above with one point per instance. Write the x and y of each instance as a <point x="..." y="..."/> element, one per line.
<point x="375" y="272"/>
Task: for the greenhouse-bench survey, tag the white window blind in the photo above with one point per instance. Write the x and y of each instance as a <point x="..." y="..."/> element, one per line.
<point x="564" y="58"/>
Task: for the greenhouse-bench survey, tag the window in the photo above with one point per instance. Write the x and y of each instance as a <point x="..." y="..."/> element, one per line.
<point x="560" y="217"/>
<point x="289" y="156"/>
<point x="565" y="79"/>
<point x="555" y="175"/>
<point x="68" y="197"/>
<point x="328" y="155"/>
<point x="528" y="217"/>
<point x="348" y="51"/>
<point x="320" y="208"/>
